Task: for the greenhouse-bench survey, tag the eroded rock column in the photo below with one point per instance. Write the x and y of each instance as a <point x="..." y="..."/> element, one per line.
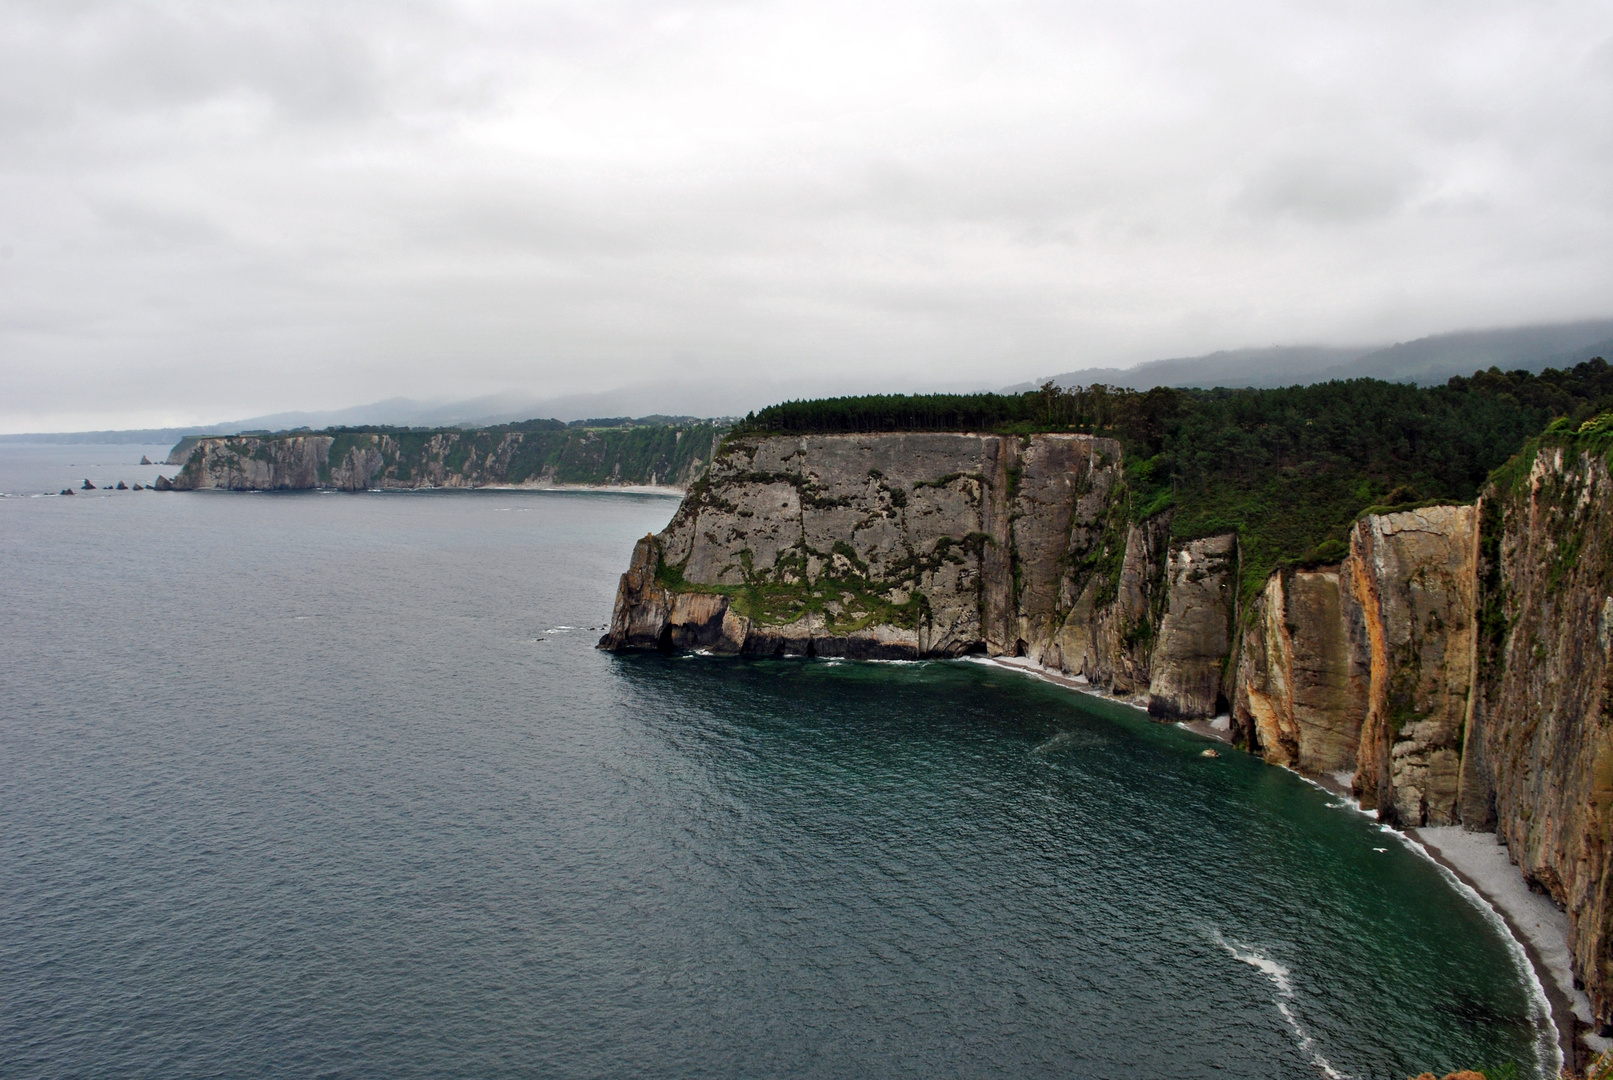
<point x="1195" y="635"/>
<point x="1413" y="574"/>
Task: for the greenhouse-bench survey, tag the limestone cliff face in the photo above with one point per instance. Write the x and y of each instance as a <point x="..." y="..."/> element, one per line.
<point x="250" y="465"/>
<point x="928" y="545"/>
<point x="1414" y="577"/>
<point x="1107" y="638"/>
<point x="358" y="461"/>
<point x="1301" y="689"/>
<point x="1195" y="635"/>
<point x="1368" y="668"/>
<point x="344" y="462"/>
<point x="1540" y="760"/>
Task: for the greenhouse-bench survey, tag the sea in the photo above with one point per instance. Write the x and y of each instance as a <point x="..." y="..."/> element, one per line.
<point x="337" y="785"/>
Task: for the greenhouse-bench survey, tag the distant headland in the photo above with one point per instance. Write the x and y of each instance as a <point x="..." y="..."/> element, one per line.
<point x="616" y="453"/>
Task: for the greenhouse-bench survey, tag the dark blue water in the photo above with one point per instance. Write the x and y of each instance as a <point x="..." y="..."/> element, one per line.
<point x="336" y="785"/>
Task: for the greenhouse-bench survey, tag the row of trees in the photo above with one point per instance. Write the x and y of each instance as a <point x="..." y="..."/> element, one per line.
<point x="1288" y="469"/>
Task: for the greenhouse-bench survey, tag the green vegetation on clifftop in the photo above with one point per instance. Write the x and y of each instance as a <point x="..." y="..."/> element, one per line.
<point x="1289" y="470"/>
<point x="531" y="452"/>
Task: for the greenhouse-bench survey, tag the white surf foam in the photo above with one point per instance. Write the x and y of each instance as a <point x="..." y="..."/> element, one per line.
<point x="1283" y="998"/>
<point x="1548" y="1054"/>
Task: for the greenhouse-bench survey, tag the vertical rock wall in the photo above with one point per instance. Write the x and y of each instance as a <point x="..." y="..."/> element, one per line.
<point x="1541" y="748"/>
<point x="1107" y="635"/>
<point x="1195" y="634"/>
<point x="256" y="465"/>
<point x="1414" y="577"/>
<point x="1368" y="668"/>
<point x="1301" y="688"/>
<point x="937" y="545"/>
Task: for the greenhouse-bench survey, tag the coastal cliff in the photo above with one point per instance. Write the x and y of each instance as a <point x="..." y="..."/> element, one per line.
<point x="527" y="456"/>
<point x="1302" y="676"/>
<point x="1450" y="664"/>
<point x="1366" y="668"/>
<point x="904" y="546"/>
<point x="1539" y="765"/>
<point x="1412" y="577"/>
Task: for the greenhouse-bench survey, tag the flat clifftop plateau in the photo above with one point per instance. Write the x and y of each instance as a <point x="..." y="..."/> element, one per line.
<point x="934" y="545"/>
<point x="668" y="455"/>
<point x="1453" y="667"/>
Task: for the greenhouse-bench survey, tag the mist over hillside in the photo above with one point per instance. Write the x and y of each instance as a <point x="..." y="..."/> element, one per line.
<point x="1425" y="361"/>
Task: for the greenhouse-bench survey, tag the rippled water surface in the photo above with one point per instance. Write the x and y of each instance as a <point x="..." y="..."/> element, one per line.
<point x="336" y="785"/>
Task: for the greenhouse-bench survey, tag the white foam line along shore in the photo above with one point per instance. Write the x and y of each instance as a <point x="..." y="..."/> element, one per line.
<point x="1481" y="862"/>
<point x="1058" y="678"/>
<point x="1478" y="868"/>
<point x="1283" y="998"/>
<point x="617" y="489"/>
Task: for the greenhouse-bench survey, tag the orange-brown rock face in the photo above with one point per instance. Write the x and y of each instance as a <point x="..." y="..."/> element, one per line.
<point x="1541" y="748"/>
<point x="1414" y="577"/>
<point x="1301" y="689"/>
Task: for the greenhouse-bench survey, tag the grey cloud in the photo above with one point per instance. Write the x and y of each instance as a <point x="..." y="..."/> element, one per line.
<point x="157" y="224"/>
<point x="1327" y="189"/>
<point x="217" y="210"/>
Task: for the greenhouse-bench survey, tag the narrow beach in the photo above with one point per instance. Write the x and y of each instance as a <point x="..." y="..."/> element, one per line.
<point x="1478" y="860"/>
<point x="1481" y="862"/>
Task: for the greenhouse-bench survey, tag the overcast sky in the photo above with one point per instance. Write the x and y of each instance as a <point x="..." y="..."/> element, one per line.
<point x="217" y="210"/>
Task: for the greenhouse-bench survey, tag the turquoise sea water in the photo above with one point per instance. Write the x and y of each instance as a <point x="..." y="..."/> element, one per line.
<point x="337" y="785"/>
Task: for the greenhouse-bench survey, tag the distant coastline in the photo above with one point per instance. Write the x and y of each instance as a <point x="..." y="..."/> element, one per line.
<point x="662" y="458"/>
